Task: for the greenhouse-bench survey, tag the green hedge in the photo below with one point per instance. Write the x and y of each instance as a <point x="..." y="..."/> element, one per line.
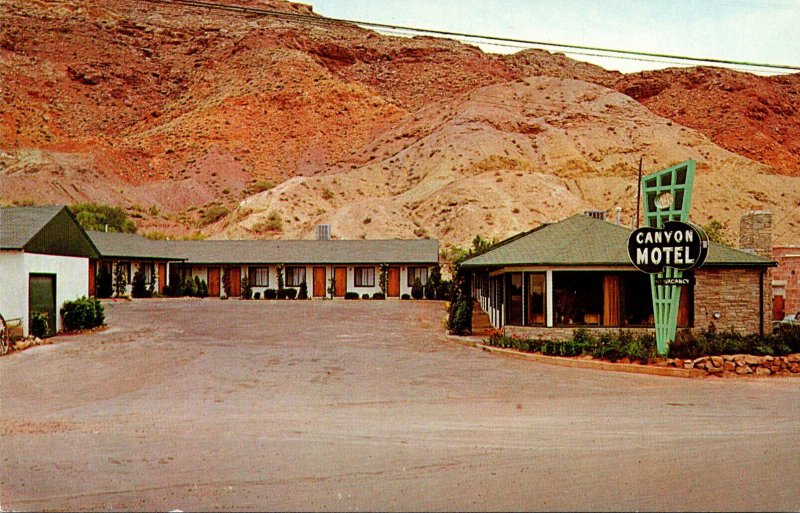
<point x="83" y="313"/>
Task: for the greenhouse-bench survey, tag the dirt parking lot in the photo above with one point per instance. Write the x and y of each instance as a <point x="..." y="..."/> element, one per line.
<point x="353" y="405"/>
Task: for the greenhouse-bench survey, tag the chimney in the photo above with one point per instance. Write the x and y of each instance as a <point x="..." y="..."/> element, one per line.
<point x="323" y="232"/>
<point x="755" y="233"/>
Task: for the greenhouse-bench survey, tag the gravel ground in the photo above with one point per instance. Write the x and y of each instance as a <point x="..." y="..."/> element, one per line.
<point x="352" y="405"/>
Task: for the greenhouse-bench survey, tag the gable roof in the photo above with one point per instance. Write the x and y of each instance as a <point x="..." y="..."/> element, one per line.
<point x="128" y="245"/>
<point x="582" y="241"/>
<point x="50" y="230"/>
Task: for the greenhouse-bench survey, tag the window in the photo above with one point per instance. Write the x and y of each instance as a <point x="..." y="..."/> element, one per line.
<point x="536" y="298"/>
<point x="578" y="298"/>
<point x="364" y="277"/>
<point x="259" y="276"/>
<point x="295" y="276"/>
<point x="417" y="272"/>
<point x="514" y="311"/>
<point x="147" y="270"/>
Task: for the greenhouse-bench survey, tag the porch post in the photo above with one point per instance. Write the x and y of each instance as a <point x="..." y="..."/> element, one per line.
<point x="548" y="286"/>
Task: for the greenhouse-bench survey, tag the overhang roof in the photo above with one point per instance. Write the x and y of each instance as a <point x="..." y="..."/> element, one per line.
<point x="419" y="251"/>
<point x="580" y="241"/>
<point x="51" y="230"/>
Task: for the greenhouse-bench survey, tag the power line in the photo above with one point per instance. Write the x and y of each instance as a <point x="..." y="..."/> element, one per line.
<point x="503" y="40"/>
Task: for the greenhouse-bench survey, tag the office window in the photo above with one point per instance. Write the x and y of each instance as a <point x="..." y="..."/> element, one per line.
<point x="417" y="272"/>
<point x="364" y="277"/>
<point x="295" y="276"/>
<point x="259" y="276"/>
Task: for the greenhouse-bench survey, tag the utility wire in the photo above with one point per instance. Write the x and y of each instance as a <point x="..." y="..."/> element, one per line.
<point x="320" y="19"/>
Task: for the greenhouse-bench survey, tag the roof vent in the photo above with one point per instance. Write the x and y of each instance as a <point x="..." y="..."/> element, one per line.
<point x="323" y="232"/>
<point x="595" y="214"/>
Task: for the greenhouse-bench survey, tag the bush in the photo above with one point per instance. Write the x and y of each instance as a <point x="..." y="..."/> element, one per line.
<point x="82" y="313"/>
<point x="39" y="324"/>
<point x="247" y="290"/>
<point x="351" y="295"/>
<point x="790" y="334"/>
<point x="444" y="291"/>
<point x="434" y="281"/>
<point x="365" y="296"/>
<point x="691" y="345"/>
<point x="379" y="295"/>
<point x="405" y="296"/>
<point x="93" y="216"/>
<point x="257" y="295"/>
<point x="459" y="320"/>
<point x="303" y="294"/>
<point x="105" y="286"/>
<point x="202" y="289"/>
<point x="270" y="294"/>
<point x="290" y="293"/>
<point x="416" y="289"/>
<point x="138" y="284"/>
<point x="214" y="213"/>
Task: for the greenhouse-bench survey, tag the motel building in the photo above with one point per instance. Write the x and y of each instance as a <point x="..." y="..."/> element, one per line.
<point x="576" y="273"/>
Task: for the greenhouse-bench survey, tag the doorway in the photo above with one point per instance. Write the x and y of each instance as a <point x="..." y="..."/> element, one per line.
<point x="42" y="301"/>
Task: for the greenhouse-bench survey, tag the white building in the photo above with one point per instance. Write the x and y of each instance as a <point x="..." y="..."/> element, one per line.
<point x="44" y="261"/>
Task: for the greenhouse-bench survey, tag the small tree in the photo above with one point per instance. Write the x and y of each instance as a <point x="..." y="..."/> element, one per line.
<point x="416" y="289"/>
<point x="227" y="285"/>
<point x="120" y="281"/>
<point x="280" y="276"/>
<point x="105" y="286"/>
<point x="459" y="320"/>
<point x="303" y="290"/>
<point x="384" y="279"/>
<point x="433" y="284"/>
<point x="247" y="289"/>
<point x="138" y="284"/>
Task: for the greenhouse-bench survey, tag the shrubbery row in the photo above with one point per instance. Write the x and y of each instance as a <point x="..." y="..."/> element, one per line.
<point x="642" y="346"/>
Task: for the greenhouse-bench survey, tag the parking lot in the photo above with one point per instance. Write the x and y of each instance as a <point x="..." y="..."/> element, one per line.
<point x="353" y="405"/>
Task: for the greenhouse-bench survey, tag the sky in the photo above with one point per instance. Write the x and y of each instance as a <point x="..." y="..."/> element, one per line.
<point x="762" y="31"/>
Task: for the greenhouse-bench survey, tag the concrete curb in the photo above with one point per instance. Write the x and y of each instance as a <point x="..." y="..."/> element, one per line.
<point x="579" y="363"/>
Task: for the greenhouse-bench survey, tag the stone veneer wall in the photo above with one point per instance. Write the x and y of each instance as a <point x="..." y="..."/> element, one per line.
<point x="734" y="294"/>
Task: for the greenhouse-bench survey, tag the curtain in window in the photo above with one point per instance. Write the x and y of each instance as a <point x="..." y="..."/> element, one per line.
<point x="611" y="300"/>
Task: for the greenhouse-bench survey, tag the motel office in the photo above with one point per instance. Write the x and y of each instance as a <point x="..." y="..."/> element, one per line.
<point x="577" y="273"/>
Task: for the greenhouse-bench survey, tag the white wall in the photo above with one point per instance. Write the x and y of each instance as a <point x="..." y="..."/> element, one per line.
<point x="72" y="281"/>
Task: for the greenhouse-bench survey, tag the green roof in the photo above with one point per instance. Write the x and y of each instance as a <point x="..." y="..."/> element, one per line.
<point x="122" y="245"/>
<point x="127" y="245"/>
<point x="49" y="230"/>
<point x="583" y="241"/>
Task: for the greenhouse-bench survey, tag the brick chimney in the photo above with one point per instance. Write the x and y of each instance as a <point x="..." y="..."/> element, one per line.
<point x="755" y="233"/>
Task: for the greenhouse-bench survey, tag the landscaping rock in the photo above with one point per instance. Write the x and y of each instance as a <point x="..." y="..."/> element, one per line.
<point x="727" y="357"/>
<point x="729" y="366"/>
<point x="717" y="361"/>
<point x="793" y="358"/>
<point x="752" y="360"/>
<point x="761" y="371"/>
<point x="743" y="370"/>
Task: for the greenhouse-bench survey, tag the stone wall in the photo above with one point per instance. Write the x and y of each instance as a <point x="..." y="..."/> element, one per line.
<point x="729" y="298"/>
<point x="755" y="233"/>
<point x="741" y="364"/>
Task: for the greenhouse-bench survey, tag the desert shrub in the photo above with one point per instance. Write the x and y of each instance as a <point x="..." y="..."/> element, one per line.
<point x="104" y="283"/>
<point x="405" y="296"/>
<point x="365" y="296"/>
<point x="290" y="293"/>
<point x="39" y="324"/>
<point x="379" y="295"/>
<point x="262" y="186"/>
<point x="303" y="294"/>
<point x="351" y="295"/>
<point x="417" y="289"/>
<point x="214" y="213"/>
<point x="82" y="313"/>
<point x="257" y="295"/>
<point x="270" y="294"/>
